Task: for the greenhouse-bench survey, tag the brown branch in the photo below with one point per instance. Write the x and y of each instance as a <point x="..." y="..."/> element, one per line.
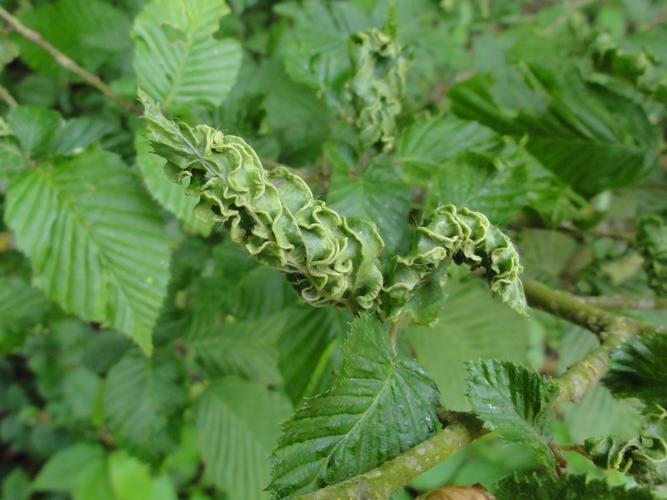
<point x="66" y="62"/>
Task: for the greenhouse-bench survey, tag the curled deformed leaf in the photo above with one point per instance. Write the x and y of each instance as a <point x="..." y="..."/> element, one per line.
<point x="377" y="86"/>
<point x="644" y="456"/>
<point x="652" y="244"/>
<point x="273" y="215"/>
<point x="466" y="237"/>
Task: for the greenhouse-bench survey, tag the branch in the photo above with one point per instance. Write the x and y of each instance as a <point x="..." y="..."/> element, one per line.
<point x="571" y="9"/>
<point x="571" y="308"/>
<point x="613" y="330"/>
<point x="384" y="480"/>
<point x="66" y="62"/>
<point x="623" y="302"/>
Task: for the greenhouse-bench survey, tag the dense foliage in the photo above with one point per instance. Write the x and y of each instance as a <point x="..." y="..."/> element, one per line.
<point x="262" y="249"/>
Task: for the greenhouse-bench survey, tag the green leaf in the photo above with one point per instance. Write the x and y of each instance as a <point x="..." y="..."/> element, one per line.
<point x="568" y="487"/>
<point x="426" y="145"/>
<point x="380" y="405"/>
<point x="375" y="194"/>
<point x="638" y="369"/>
<point x="170" y="195"/>
<point x="468" y="329"/>
<point x="237" y="423"/>
<point x="514" y="402"/>
<point x="142" y="401"/>
<point x="308" y="348"/>
<point x="177" y="59"/>
<point x="91" y="32"/>
<point x="34" y="128"/>
<point x="131" y="480"/>
<point x="21" y="306"/>
<point x="489" y="183"/>
<point x="96" y="243"/>
<point x="572" y="129"/>
<point x="63" y="469"/>
<point x="316" y="52"/>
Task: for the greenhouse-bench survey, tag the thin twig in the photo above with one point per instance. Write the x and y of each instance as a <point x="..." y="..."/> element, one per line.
<point x="571" y="9"/>
<point x="66" y="62"/>
<point x="7" y="97"/>
<point x="393" y="332"/>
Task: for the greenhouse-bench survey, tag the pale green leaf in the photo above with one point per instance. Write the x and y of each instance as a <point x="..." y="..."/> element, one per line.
<point x="170" y="195"/>
<point x="380" y="405"/>
<point x="33" y="127"/>
<point x="142" y="400"/>
<point x="63" y="469"/>
<point x="177" y="59"/>
<point x="469" y="329"/>
<point x="426" y="145"/>
<point x="237" y="424"/>
<point x="514" y="402"/>
<point x="96" y="243"/>
<point x="638" y="369"/>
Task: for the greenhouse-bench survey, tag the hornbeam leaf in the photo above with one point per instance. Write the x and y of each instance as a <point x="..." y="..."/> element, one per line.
<point x="142" y="398"/>
<point x="21" y="306"/>
<point x="568" y="487"/>
<point x="380" y="405"/>
<point x="169" y="194"/>
<point x="96" y="242"/>
<point x="514" y="402"/>
<point x="573" y="130"/>
<point x="177" y="59"/>
<point x="237" y="423"/>
<point x="638" y="369"/>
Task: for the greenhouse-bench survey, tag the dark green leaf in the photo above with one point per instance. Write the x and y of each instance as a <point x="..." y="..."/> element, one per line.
<point x="568" y="487"/>
<point x="514" y="402"/>
<point x="571" y="130"/>
<point x="380" y="405"/>
<point x="638" y="368"/>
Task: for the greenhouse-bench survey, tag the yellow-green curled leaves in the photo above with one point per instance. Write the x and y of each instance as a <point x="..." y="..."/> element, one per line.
<point x="272" y="215"/>
<point x="377" y="87"/>
<point x="466" y="237"/>
<point x="328" y="258"/>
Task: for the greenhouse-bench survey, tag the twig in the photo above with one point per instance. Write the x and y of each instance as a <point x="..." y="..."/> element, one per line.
<point x="568" y="306"/>
<point x="66" y="62"/>
<point x="623" y="302"/>
<point x="7" y="97"/>
<point x="392" y="333"/>
<point x="574" y="6"/>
